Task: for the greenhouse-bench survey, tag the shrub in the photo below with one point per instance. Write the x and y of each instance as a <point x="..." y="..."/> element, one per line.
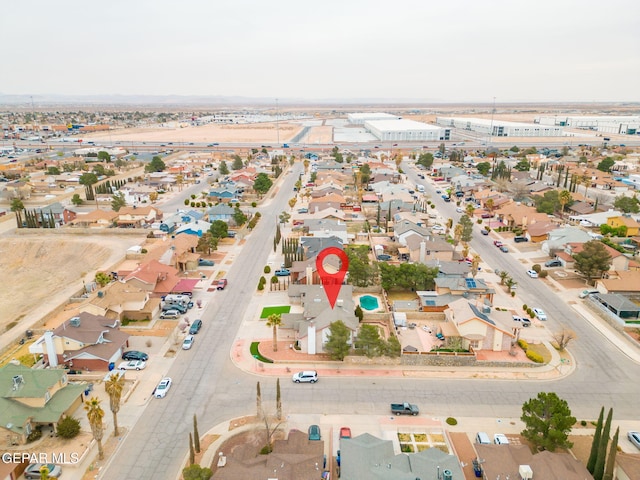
<point x="186" y="202"/>
<point x="143" y="250"/>
<point x="262" y="280"/>
<point x="265" y="450"/>
<point x="534" y="357"/>
<point x="68" y="427"/>
<point x="267" y="269"/>
<point x="583" y="423"/>
<point x="537" y="268"/>
<point x="523" y="344"/>
<point x="543" y="273"/>
<point x="479" y="221"/>
<point x="254" y="204"/>
<point x="274" y="279"/>
<point x="35" y="435"/>
<point x="451" y="421"/>
<point x="525" y="308"/>
<point x="260" y="286"/>
<point x="513" y="293"/>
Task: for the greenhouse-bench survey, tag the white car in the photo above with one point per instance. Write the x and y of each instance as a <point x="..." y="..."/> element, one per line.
<point x="162" y="388"/>
<point x="459" y="210"/>
<point x="188" y="342"/>
<point x="437" y="228"/>
<point x="310" y="376"/>
<point x="132" y="365"/>
<point x="500" y="439"/>
<point x="532" y="273"/>
<point x="540" y="314"/>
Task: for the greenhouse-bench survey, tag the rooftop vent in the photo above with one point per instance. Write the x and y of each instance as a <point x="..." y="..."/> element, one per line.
<point x="75" y="321"/>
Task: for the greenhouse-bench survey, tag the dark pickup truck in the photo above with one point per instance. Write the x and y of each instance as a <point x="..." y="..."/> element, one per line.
<point x="404" y="409"/>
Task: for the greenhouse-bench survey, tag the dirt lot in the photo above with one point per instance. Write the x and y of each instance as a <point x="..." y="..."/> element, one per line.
<point x="47" y="269"/>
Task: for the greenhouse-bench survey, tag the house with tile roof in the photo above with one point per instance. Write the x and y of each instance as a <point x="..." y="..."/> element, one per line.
<point x="119" y="300"/>
<point x="627" y="466"/>
<point x="96" y="219"/>
<point x="30" y="398"/>
<point x="138" y="216"/>
<point x="333" y="200"/>
<point x="86" y="341"/>
<point x="311" y="326"/>
<point x="327" y="228"/>
<point x="480" y="326"/>
<point x="422" y="249"/>
<point x="154" y="277"/>
<point x="559" y="238"/>
<point x="622" y="282"/>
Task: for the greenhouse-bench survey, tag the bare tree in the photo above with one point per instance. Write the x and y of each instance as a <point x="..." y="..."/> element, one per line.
<point x="563" y="338"/>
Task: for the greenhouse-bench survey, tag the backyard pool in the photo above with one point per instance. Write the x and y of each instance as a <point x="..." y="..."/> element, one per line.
<point x="369" y="302"/>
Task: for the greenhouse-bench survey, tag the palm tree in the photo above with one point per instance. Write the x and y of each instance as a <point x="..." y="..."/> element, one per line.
<point x="489" y="205"/>
<point x="586" y="181"/>
<point x="274" y="320"/>
<point x="95" y="414"/>
<point x="114" y="387"/>
<point x="457" y="235"/>
<point x="470" y="209"/>
<point x="449" y="224"/>
<point x="44" y="472"/>
<point x="465" y="249"/>
<point x="564" y="198"/>
<point x="475" y="263"/>
<point x="503" y="276"/>
<point x="510" y="283"/>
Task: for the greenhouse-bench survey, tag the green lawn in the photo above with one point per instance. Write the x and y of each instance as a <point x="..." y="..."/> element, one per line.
<point x="266" y="311"/>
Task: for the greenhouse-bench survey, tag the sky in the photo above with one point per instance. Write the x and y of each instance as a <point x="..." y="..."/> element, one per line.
<point x="420" y="50"/>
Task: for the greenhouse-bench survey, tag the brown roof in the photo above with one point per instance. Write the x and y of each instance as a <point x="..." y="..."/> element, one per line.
<point x="100" y="335"/>
<point x="152" y="272"/>
<point x="626" y="281"/>
<point x="630" y="464"/>
<point x="96" y="215"/>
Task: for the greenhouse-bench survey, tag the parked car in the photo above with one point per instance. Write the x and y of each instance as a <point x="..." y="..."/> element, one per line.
<point x="458" y="210"/>
<point x="345" y="432"/>
<point x="525" y="321"/>
<point x="162" y="388"/>
<point x="487" y="215"/>
<point x="222" y="283"/>
<point x="175" y="306"/>
<point x="132" y="365"/>
<point x="307" y="376"/>
<point x="634" y="437"/>
<point x="540" y="314"/>
<point x="188" y="342"/>
<point x="532" y="273"/>
<point x="504" y="248"/>
<point x="497" y="243"/>
<point x="553" y="263"/>
<point x="484" y="232"/>
<point x="205" y="263"/>
<point x="195" y="326"/>
<point x="383" y="257"/>
<point x="170" y="314"/>
<point x="135" y="355"/>
<point x="283" y="272"/>
<point x="520" y="239"/>
<point x="33" y="470"/>
<point x="500" y="439"/>
<point x="314" y="433"/>
<point x="303" y="210"/>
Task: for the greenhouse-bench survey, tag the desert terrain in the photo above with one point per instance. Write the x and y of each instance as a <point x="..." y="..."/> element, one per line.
<point x="42" y="271"/>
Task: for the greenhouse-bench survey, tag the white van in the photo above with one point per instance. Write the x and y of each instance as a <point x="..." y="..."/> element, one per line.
<point x="173" y="298"/>
<point x="483" y="439"/>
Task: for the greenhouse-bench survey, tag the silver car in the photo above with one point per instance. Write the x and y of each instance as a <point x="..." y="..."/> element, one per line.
<point x="634" y="437"/>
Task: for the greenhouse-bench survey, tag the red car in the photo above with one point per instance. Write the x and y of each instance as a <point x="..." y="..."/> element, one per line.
<point x="345" y="432"/>
<point x="222" y="283"/>
<point x="497" y="243"/>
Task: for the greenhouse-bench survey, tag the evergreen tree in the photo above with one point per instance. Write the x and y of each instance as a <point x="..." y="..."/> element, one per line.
<point x="258" y="400"/>
<point x="196" y="435"/>
<point x="192" y="453"/>
<point x="593" y="456"/>
<point x="278" y="400"/>
<point x="598" y="470"/>
<point x="611" y="460"/>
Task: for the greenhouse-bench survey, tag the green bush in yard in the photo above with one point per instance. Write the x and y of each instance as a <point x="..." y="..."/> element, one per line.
<point x="68" y="427"/>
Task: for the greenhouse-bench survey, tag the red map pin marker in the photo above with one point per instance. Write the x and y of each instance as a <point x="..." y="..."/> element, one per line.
<point x="332" y="282"/>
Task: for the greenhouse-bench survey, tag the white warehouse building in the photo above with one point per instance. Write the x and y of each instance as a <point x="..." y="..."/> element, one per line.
<point x="361" y="118"/>
<point x="406" y="131"/>
<point x="500" y="128"/>
<point x="624" y="124"/>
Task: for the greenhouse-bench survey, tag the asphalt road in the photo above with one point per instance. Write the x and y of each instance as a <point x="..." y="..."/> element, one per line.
<point x="208" y="384"/>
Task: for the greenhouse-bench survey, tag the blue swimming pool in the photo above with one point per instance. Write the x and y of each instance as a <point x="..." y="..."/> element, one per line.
<point x="369" y="302"/>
